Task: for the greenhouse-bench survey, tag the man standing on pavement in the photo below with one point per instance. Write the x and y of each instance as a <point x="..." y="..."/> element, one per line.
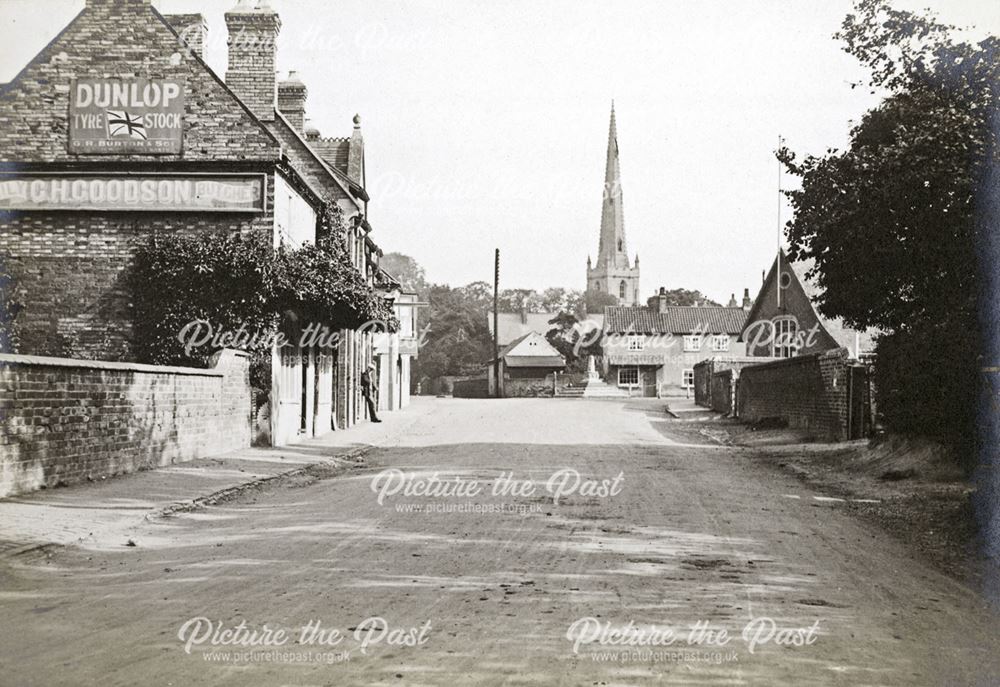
<point x="366" y="391"/>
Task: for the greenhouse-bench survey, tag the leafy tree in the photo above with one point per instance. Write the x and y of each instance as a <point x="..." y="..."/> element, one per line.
<point x="407" y="270"/>
<point x="558" y="299"/>
<point x="595" y="301"/>
<point x="457" y="341"/>
<point x="240" y="285"/>
<point x="683" y="297"/>
<point x="516" y="300"/>
<point x="479" y="294"/>
<point x="567" y="338"/>
<point x="893" y="222"/>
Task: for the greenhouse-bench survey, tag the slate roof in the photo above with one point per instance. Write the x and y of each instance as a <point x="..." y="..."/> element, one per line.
<point x="509" y="347"/>
<point x="529" y="360"/>
<point x="857" y="342"/>
<point x="512" y="328"/>
<point x="334" y="150"/>
<point x="621" y="319"/>
<point x="307" y="160"/>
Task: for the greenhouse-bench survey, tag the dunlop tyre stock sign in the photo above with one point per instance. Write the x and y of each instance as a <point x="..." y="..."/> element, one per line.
<point x="139" y="192"/>
<point x="126" y="116"/>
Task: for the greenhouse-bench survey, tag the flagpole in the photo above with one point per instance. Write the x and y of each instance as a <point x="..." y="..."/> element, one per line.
<point x="778" y="272"/>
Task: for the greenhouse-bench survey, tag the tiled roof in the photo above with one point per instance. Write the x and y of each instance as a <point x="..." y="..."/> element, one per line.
<point x="621" y="319"/>
<point x="533" y="361"/>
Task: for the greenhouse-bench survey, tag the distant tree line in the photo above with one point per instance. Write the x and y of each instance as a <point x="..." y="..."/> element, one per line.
<point x="456" y="339"/>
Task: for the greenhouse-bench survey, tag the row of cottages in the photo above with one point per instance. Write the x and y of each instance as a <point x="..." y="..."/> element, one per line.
<point x="655" y="350"/>
<point x="651" y="350"/>
<point x="118" y="129"/>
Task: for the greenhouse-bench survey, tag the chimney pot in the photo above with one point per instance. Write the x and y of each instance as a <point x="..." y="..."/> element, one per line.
<point x="192" y="29"/>
<point x="292" y="94"/>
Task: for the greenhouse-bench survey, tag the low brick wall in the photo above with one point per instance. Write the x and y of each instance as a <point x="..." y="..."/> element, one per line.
<point x="723" y="391"/>
<point x="807" y="392"/>
<point x="67" y="420"/>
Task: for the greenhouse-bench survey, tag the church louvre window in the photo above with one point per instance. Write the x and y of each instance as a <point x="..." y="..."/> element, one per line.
<point x="622" y="289"/>
<point x="628" y="376"/>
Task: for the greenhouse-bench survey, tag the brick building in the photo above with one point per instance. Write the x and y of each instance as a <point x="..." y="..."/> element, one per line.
<point x="783" y="321"/>
<point x="652" y="350"/>
<point x="118" y="129"/>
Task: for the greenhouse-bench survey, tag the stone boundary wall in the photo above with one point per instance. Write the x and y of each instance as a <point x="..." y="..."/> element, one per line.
<point x="66" y="421"/>
<point x="806" y="392"/>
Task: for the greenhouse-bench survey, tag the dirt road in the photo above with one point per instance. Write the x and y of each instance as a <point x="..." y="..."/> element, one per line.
<point x="650" y="535"/>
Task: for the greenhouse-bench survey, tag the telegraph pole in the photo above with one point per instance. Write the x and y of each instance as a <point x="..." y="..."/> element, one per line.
<point x="496" y="322"/>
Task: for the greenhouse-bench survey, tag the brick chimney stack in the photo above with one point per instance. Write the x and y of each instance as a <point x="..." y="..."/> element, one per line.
<point x="292" y="95"/>
<point x="747" y="303"/>
<point x="356" y="153"/>
<point x="192" y="29"/>
<point x="253" y="33"/>
<point x="661" y="299"/>
<point x="732" y="301"/>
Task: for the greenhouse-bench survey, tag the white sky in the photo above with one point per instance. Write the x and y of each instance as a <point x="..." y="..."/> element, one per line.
<point x="486" y="122"/>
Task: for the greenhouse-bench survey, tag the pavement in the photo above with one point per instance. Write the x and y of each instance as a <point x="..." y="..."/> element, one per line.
<point x="107" y="513"/>
<point x="482" y="542"/>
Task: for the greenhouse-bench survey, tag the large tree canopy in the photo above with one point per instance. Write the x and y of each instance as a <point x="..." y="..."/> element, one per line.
<point x="895" y="222"/>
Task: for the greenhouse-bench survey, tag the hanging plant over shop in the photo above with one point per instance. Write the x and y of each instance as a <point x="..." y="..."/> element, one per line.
<point x="237" y="290"/>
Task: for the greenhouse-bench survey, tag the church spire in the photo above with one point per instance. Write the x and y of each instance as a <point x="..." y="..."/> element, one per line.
<point x="612" y="251"/>
<point x="611" y="272"/>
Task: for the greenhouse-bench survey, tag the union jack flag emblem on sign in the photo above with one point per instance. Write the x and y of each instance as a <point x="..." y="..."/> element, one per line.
<point x="124" y="124"/>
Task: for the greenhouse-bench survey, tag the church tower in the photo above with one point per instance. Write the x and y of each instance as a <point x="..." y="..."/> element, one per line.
<point x="612" y="272"/>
